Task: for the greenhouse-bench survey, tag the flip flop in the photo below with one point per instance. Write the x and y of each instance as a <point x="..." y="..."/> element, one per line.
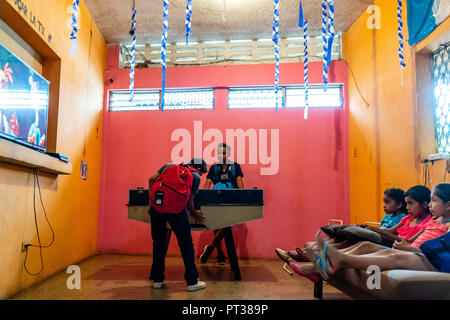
<point x="320" y="260"/>
<point x="310" y="276"/>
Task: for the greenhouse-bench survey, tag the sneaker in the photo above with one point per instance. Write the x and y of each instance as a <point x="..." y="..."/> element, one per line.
<point x="206" y="253"/>
<point x="198" y="286"/>
<point x="159" y="285"/>
<point x="221" y="258"/>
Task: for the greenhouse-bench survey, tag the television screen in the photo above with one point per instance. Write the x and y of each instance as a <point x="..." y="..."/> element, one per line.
<point x="24" y="97"/>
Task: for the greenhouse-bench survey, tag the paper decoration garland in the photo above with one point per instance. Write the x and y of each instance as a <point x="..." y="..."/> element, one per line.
<point x="133" y="51"/>
<point x="304" y="24"/>
<point x="188" y="20"/>
<point x="305" y="37"/>
<point x="330" y="31"/>
<point x="73" y="35"/>
<point x="164" y="49"/>
<point x="400" y="37"/>
<point x="325" y="44"/>
<point x="276" y="41"/>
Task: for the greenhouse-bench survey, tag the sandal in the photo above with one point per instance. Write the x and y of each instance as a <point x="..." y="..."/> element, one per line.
<point x="310" y="276"/>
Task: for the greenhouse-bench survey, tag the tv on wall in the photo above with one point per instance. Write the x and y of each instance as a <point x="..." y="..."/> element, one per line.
<point x="24" y="98"/>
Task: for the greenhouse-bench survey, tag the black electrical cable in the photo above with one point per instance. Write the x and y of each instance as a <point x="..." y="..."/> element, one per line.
<point x="40" y="246"/>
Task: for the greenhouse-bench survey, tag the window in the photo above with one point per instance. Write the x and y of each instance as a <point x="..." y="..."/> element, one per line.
<point x="174" y="99"/>
<point x="317" y="97"/>
<point x="242" y="98"/>
<point x="290" y="97"/>
<point x="441" y="87"/>
<point x="185" y="99"/>
<point x="143" y="100"/>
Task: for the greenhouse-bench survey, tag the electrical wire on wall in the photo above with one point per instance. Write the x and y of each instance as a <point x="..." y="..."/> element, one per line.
<point x="39" y="245"/>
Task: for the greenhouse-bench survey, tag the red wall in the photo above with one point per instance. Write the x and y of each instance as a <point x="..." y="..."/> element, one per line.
<point x="310" y="187"/>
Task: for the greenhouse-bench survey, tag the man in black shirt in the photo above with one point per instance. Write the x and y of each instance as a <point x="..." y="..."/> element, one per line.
<point x="179" y="223"/>
<point x="223" y="175"/>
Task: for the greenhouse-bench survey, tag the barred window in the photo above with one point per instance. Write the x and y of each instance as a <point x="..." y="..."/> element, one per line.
<point x="263" y="97"/>
<point x="441" y="86"/>
<point x="174" y="99"/>
<point x="289" y="97"/>
<point x="143" y="100"/>
<point x="184" y="99"/>
<point x="317" y="97"/>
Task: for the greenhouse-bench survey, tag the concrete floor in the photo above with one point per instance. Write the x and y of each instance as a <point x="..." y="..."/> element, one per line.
<point x="111" y="277"/>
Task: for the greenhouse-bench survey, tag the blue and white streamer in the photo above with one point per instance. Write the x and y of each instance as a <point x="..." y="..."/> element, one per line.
<point x="164" y="49"/>
<point x="73" y="35"/>
<point x="133" y="52"/>
<point x="331" y="31"/>
<point x="325" y="44"/>
<point x="305" y="37"/>
<point x="303" y="23"/>
<point x="188" y="20"/>
<point x="276" y="41"/>
<point x="400" y="37"/>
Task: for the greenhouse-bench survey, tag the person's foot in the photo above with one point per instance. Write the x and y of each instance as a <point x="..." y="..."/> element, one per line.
<point x="206" y="253"/>
<point x="306" y="270"/>
<point x="221" y="258"/>
<point x="159" y="285"/>
<point x="282" y="254"/>
<point x="198" y="286"/>
<point x="298" y="255"/>
<point x="332" y="255"/>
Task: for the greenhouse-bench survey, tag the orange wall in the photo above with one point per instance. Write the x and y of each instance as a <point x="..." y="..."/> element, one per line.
<point x="71" y="203"/>
<point x="383" y="137"/>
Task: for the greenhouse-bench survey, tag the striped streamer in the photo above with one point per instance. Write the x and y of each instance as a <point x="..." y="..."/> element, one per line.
<point x="223" y="10"/>
<point x="325" y="44"/>
<point x="133" y="52"/>
<point x="330" y="30"/>
<point x="305" y="37"/>
<point x="164" y="49"/>
<point x="400" y="37"/>
<point x="276" y="41"/>
<point x="188" y="20"/>
<point x="73" y="35"/>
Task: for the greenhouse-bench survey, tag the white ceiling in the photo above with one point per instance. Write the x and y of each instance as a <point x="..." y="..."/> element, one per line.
<point x="244" y="19"/>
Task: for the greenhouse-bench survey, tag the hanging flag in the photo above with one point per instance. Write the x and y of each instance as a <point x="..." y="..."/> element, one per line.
<point x="300" y="16"/>
<point x="276" y="41"/>
<point x="73" y="35"/>
<point x="164" y="48"/>
<point x="188" y="20"/>
<point x="133" y="51"/>
<point x="424" y="17"/>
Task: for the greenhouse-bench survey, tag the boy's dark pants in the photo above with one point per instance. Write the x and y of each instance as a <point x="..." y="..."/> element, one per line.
<point x="180" y="226"/>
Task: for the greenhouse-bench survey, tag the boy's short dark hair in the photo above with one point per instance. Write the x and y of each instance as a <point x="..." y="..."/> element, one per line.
<point x="198" y="164"/>
<point x="224" y="145"/>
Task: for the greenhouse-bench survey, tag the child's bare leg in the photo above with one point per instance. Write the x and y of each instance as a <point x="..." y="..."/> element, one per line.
<point x="386" y="260"/>
<point x="364" y="247"/>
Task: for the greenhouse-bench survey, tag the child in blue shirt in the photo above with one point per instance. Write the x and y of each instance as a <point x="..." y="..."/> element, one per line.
<point x="394" y="206"/>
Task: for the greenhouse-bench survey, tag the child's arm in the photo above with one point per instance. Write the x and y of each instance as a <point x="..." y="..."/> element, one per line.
<point x="414" y="237"/>
<point x="386" y="233"/>
<point x="394" y="229"/>
<point x="404" y="246"/>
